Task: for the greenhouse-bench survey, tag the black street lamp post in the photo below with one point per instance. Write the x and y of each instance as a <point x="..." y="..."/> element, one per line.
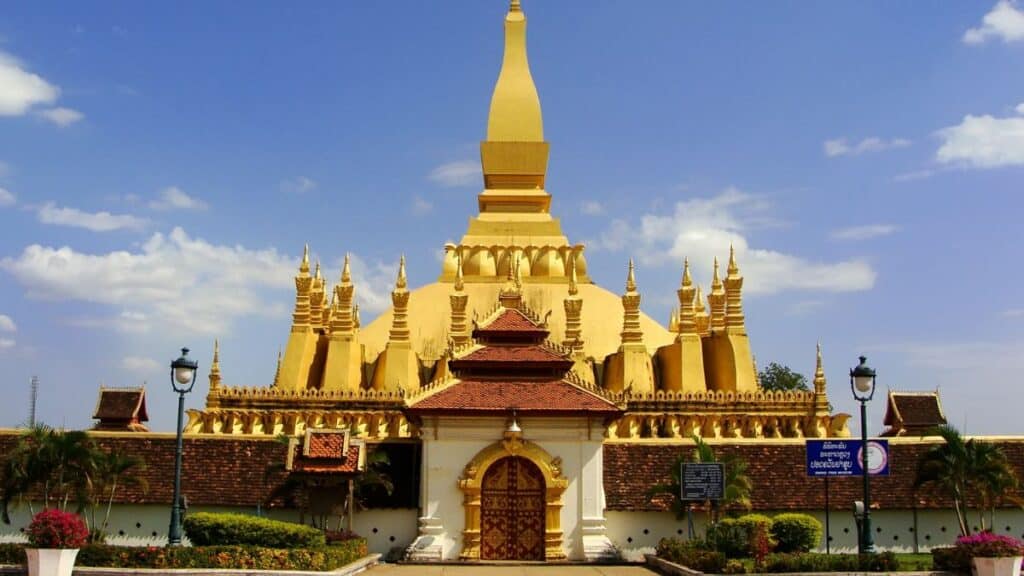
<point x="183" y="377"/>
<point x="862" y="383"/>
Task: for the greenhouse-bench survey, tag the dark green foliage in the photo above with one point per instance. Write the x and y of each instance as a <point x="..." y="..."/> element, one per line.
<point x="212" y="529"/>
<point x="802" y="563"/>
<point x="794" y="532"/>
<point x="735" y="537"/>
<point x="692" y="555"/>
<point x="952" y="559"/>
<point x="320" y="559"/>
<point x="778" y="377"/>
<point x="734" y="567"/>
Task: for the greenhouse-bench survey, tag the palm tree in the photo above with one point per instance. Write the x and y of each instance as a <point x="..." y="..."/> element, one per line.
<point x="738" y="485"/>
<point x="961" y="467"/>
<point x="114" y="469"/>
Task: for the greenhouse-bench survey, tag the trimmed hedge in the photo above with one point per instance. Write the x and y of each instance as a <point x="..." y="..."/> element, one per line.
<point x="321" y="559"/>
<point x="691" y="555"/>
<point x="213" y="529"/>
<point x="734" y="537"/>
<point x="794" y="532"/>
<point x="799" y="563"/>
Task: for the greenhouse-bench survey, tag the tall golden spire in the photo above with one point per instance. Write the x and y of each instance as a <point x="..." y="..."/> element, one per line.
<point x="316" y="298"/>
<point x="515" y="106"/>
<point x="303" y="282"/>
<point x="735" y="322"/>
<point x="631" y="332"/>
<point x="687" y="318"/>
<point x="459" y="333"/>
<point x="304" y="266"/>
<point x="277" y="373"/>
<point x="717" y="300"/>
<point x="820" y="385"/>
<point x="215" y="366"/>
<point x="342" y="321"/>
<point x="400" y="301"/>
<point x="573" y="305"/>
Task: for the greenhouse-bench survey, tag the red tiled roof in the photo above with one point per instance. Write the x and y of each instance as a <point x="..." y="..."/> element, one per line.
<point x="511" y="320"/>
<point x="330" y="445"/>
<point x="534" y="353"/>
<point x="121" y="404"/>
<point x="914" y="409"/>
<point x="350" y="464"/>
<point x="545" y="396"/>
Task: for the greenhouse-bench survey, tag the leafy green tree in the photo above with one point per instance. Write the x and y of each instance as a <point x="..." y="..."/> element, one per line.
<point x="959" y="467"/>
<point x="738" y="484"/>
<point x="777" y="377"/>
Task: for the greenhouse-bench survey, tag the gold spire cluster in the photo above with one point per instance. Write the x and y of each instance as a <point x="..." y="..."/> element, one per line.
<point x="573" y="305"/>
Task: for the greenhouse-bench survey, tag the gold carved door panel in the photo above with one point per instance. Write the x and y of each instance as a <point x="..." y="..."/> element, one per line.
<point x="512" y="511"/>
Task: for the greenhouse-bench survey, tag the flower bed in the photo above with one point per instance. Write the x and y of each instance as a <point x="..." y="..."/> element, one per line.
<point x="320" y="559"/>
<point x="981" y="545"/>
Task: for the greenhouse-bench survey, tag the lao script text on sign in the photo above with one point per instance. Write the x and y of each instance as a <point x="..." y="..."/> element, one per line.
<point x="702" y="481"/>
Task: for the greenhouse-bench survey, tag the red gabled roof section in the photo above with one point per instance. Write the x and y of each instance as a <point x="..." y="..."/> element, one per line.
<point x="511" y="322"/>
<point x="912" y="413"/>
<point x="553" y="397"/>
<point x="326" y="452"/>
<point x="121" y="409"/>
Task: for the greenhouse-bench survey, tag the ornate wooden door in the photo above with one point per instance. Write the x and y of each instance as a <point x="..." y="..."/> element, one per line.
<point x="512" y="511"/>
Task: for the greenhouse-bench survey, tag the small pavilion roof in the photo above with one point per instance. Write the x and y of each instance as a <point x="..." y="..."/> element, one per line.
<point x="913" y="412"/>
<point x="121" y="409"/>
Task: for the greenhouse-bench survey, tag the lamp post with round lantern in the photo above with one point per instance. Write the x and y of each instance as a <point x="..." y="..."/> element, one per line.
<point x="862" y="383"/>
<point x="183" y="377"/>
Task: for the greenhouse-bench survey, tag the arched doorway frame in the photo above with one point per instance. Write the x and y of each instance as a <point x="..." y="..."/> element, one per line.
<point x="554" y="486"/>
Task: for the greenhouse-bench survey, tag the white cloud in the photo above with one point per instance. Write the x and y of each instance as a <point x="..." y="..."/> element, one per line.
<point x="6" y="343"/>
<point x="702" y="228"/>
<point x="914" y="175"/>
<point x="174" y="198"/>
<point x="20" y="89"/>
<point x="1014" y="313"/>
<point x="61" y="116"/>
<point x="983" y="142"/>
<point x="373" y="285"/>
<point x="97" y="222"/>
<point x="298" y="185"/>
<point x="1004" y="21"/>
<point x="421" y="206"/>
<point x="140" y="364"/>
<point x="181" y="282"/>
<point x="7" y="198"/>
<point x="840" y="147"/>
<point x="456" y="174"/>
<point x="1020" y="108"/>
<point x="865" y="232"/>
<point x="592" y="208"/>
<point x="6" y="324"/>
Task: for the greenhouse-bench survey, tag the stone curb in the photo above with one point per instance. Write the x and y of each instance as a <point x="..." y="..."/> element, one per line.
<point x="667" y="568"/>
<point x="348" y="570"/>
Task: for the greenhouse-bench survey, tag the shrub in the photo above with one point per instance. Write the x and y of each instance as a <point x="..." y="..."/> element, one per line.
<point x="951" y="559"/>
<point x="211" y="529"/>
<point x="801" y="563"/>
<point x="734" y="567"/>
<point x="54" y="528"/>
<point x="12" y="554"/>
<point x="989" y="545"/>
<point x="692" y="555"/>
<point x="796" y="532"/>
<point x="738" y="537"/>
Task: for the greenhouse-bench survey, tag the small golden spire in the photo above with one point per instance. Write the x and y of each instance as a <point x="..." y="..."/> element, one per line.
<point x="733" y="268"/>
<point x="515" y="6"/>
<point x="819" y="368"/>
<point x="215" y="366"/>
<point x="355" y="316"/>
<point x="687" y="280"/>
<point x="716" y="281"/>
<point x="631" y="278"/>
<point x="400" y="284"/>
<point x="346" y="271"/>
<point x="673" y="320"/>
<point x="459" y="284"/>
<point x="519" y="273"/>
<point x="573" y="288"/>
<point x="820" y="395"/>
<point x="317" y="273"/>
<point x="277" y="373"/>
<point x="304" y="266"/>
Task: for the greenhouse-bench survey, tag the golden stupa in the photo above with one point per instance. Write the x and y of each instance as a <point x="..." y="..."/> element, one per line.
<point x="695" y="376"/>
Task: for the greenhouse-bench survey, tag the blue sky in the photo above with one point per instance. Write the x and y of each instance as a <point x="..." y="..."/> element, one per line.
<point x="163" y="164"/>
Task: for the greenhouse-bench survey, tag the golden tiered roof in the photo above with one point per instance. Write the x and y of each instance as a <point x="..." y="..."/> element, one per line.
<point x="696" y="376"/>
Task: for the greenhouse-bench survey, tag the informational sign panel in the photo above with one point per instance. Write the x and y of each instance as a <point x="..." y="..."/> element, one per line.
<point x="843" y="457"/>
<point x="703" y="481"/>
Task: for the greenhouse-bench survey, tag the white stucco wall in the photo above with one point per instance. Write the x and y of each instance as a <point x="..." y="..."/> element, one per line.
<point x="451" y="443"/>
<point x="896" y="530"/>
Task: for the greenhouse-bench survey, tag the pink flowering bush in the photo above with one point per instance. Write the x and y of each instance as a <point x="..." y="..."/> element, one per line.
<point x="989" y="545"/>
<point x="54" y="528"/>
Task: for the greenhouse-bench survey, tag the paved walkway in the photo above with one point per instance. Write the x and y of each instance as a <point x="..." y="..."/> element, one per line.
<point x="506" y="570"/>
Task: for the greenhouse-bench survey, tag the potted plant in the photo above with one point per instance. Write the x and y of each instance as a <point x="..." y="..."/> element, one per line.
<point x="992" y="554"/>
<point x="54" y="538"/>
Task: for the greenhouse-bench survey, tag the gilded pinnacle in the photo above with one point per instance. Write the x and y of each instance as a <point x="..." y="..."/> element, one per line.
<point x="400" y="284"/>
<point x="573" y="288"/>
<point x="687" y="280"/>
<point x="458" y="273"/>
<point x="631" y="278"/>
<point x="317" y="273"/>
<point x="716" y="281"/>
<point x="346" y="271"/>
<point x="733" y="268"/>
<point x="304" y="266"/>
<point x="515" y="6"/>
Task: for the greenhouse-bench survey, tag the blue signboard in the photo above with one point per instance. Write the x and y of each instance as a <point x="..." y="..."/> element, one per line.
<point x="842" y="457"/>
